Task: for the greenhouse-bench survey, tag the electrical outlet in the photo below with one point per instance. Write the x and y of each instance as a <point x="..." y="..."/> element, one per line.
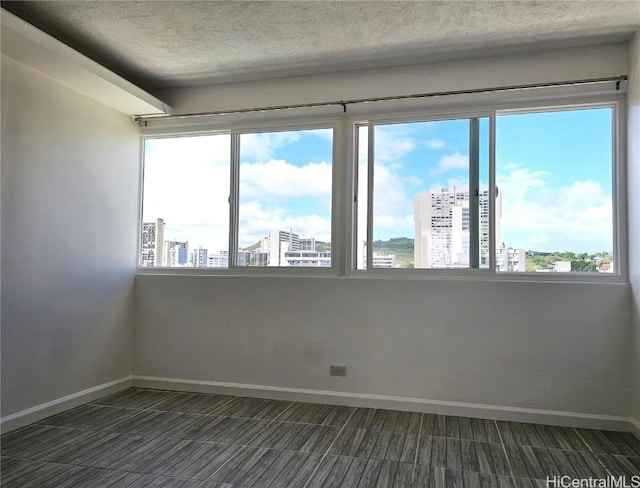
<point x="337" y="370"/>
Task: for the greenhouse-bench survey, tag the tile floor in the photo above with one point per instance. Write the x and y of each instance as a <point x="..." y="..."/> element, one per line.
<point x="151" y="438"/>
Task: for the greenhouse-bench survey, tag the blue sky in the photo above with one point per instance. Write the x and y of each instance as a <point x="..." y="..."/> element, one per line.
<point x="553" y="170"/>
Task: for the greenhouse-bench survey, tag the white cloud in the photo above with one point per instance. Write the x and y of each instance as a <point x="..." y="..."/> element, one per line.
<point x="577" y="217"/>
<point x="256" y="221"/>
<point x="261" y="147"/>
<point x="391" y="144"/>
<point x="436" y="144"/>
<point x="281" y="180"/>
<point x="452" y="162"/>
<point x="186" y="183"/>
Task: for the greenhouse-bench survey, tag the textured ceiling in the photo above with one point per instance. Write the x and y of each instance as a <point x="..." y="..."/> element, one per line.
<point x="160" y="44"/>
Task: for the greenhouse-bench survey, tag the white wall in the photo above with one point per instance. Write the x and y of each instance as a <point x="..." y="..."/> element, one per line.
<point x="556" y="65"/>
<point x="69" y="224"/>
<point x="633" y="156"/>
<point x="533" y="345"/>
<point x="550" y="346"/>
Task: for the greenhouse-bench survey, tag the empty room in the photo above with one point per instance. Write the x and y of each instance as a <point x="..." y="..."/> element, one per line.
<point x="320" y="244"/>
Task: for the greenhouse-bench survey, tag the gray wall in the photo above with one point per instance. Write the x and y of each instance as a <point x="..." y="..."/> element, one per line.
<point x="69" y="221"/>
<point x="633" y="156"/>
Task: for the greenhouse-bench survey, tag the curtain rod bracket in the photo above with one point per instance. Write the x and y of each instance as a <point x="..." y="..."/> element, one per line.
<point x="344" y="106"/>
<point x="622" y="78"/>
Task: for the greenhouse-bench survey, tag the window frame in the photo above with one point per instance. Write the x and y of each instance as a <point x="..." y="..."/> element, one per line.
<point x="615" y="102"/>
<point x="345" y="178"/>
<point x="235" y="131"/>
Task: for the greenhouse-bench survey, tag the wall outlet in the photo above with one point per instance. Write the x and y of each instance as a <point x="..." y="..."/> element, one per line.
<point x="337" y="370"/>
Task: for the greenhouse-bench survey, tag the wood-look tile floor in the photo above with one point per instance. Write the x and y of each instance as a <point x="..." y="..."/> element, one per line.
<point x="150" y="438"/>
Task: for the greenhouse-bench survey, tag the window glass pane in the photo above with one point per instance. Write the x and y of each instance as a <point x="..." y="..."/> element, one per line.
<point x="421" y="216"/>
<point x="554" y="176"/>
<point x="185" y="219"/>
<point x="285" y="198"/>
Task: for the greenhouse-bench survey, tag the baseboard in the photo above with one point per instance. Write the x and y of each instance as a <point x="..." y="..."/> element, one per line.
<point x="514" y="414"/>
<point x="635" y="427"/>
<point x="39" y="412"/>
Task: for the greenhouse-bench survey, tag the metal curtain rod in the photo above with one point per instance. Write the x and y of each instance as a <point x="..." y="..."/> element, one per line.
<point x="344" y="103"/>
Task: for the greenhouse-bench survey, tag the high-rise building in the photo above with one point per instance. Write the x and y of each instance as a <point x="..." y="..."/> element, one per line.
<point x="176" y="253"/>
<point x="220" y="260"/>
<point x="443" y="225"/>
<point x="277" y="243"/>
<point x="199" y="258"/>
<point x="152" y="242"/>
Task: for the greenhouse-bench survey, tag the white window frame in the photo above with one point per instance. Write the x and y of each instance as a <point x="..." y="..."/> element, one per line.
<point x="492" y="110"/>
<point x="345" y="179"/>
<point x="235" y="132"/>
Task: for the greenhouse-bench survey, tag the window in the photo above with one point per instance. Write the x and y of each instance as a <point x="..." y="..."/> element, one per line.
<point x="429" y="204"/>
<point x="554" y="175"/>
<point x="278" y="211"/>
<point x="424" y="199"/>
<point x="493" y="192"/>
<point x="185" y="210"/>
<point x="285" y="198"/>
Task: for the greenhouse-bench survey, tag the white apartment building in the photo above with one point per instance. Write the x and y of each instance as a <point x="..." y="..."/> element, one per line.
<point x="220" y="260"/>
<point x="442" y="228"/>
<point x="511" y="260"/>
<point x="320" y="259"/>
<point x="199" y="257"/>
<point x="176" y="253"/>
<point x="384" y="261"/>
<point x="152" y="242"/>
<point x="277" y="244"/>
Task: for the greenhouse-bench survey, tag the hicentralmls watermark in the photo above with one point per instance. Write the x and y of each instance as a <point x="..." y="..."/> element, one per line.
<point x="608" y="482"/>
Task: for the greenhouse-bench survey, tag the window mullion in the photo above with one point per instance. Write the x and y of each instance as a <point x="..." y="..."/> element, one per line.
<point x="493" y="193"/>
<point x="474" y="193"/>
<point x="370" y="163"/>
<point x="234" y="199"/>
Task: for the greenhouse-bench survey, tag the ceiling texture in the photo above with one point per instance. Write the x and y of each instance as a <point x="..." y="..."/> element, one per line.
<point x="164" y="44"/>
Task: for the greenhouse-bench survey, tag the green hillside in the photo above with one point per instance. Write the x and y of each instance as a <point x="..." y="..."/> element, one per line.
<point x="402" y="247"/>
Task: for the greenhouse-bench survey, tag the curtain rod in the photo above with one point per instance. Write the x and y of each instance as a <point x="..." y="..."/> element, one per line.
<point x="344" y="103"/>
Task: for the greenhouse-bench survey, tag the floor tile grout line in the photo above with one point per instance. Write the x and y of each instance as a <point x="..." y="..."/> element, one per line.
<point x="84" y="466"/>
<point x="243" y="448"/>
<point x="592" y="451"/>
<point x="221" y="406"/>
<point x="329" y="448"/>
<point x="415" y="457"/>
<point x="137" y="411"/>
<point x="172" y="393"/>
<point x="504" y="449"/>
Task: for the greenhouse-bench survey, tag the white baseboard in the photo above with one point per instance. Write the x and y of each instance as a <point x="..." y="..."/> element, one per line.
<point x="514" y="414"/>
<point x="635" y="427"/>
<point x="39" y="412"/>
